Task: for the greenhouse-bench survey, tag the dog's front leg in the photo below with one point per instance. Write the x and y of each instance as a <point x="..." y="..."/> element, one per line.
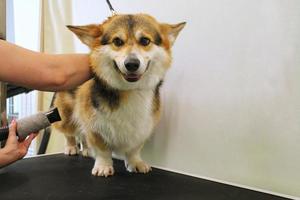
<point x="134" y="162"/>
<point x="103" y="164"/>
<point x="103" y="155"/>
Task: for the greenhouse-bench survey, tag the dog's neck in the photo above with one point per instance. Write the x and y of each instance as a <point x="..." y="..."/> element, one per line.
<point x="103" y="92"/>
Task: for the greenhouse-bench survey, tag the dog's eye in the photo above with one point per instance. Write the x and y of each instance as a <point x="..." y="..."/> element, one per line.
<point x="144" y="41"/>
<point x="118" y="42"/>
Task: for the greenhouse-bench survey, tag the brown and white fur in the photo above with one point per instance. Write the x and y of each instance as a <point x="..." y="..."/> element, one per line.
<point x="118" y="108"/>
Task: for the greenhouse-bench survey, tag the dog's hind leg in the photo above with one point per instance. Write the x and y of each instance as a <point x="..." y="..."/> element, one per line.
<point x="64" y="101"/>
<point x="71" y="147"/>
<point x="84" y="147"/>
<point x="103" y="155"/>
<point x="69" y="131"/>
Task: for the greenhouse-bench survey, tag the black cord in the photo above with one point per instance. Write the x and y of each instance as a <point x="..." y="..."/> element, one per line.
<point x="110" y="6"/>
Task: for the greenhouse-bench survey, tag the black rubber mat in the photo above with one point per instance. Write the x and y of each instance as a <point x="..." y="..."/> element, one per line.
<point x="69" y="177"/>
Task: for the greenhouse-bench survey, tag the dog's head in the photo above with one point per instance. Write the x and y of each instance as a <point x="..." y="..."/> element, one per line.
<point x="129" y="51"/>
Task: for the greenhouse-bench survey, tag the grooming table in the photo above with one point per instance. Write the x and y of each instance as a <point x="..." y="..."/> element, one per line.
<point x="69" y="177"/>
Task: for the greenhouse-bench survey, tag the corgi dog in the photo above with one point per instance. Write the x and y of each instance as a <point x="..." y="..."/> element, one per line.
<point x="118" y="108"/>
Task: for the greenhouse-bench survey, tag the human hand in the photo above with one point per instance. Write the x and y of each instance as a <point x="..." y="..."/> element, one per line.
<point x="14" y="149"/>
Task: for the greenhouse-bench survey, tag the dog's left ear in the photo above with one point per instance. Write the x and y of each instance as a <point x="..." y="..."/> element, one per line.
<point x="172" y="31"/>
<point x="87" y="34"/>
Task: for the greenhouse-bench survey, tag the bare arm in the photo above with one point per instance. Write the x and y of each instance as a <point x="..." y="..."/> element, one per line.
<point x="41" y="71"/>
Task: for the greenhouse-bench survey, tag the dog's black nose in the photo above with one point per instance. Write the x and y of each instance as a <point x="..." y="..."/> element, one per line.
<point x="132" y="64"/>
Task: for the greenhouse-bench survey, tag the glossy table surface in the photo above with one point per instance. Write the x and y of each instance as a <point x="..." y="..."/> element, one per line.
<point x="69" y="177"/>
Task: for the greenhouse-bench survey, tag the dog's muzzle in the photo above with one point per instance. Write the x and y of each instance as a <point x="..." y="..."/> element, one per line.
<point x="129" y="76"/>
<point x="132" y="65"/>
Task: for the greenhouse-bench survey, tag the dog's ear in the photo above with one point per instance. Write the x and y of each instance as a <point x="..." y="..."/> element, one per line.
<point x="87" y="34"/>
<point x="172" y="31"/>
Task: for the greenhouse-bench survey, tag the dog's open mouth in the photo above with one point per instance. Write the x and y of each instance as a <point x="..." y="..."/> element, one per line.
<point x="130" y="77"/>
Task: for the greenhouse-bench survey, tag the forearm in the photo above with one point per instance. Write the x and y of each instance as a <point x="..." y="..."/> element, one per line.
<point x="42" y="71"/>
<point x="75" y="71"/>
<point x="22" y="67"/>
<point x="6" y="158"/>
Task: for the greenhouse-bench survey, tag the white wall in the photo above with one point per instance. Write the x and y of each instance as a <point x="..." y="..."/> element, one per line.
<point x="232" y="98"/>
<point x="26" y="23"/>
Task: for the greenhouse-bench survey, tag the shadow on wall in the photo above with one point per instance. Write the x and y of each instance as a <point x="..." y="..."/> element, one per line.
<point x="157" y="147"/>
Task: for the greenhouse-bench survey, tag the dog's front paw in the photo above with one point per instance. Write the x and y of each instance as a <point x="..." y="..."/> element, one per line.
<point x="103" y="170"/>
<point x="139" y="166"/>
<point x="71" y="150"/>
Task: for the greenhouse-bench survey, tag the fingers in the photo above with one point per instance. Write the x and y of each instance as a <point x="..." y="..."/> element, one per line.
<point x="12" y="135"/>
<point x="29" y="139"/>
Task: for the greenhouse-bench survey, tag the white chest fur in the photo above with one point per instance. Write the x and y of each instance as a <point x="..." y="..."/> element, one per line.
<point x="128" y="126"/>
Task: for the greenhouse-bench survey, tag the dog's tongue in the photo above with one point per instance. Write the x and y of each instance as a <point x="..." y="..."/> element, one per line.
<point x="132" y="77"/>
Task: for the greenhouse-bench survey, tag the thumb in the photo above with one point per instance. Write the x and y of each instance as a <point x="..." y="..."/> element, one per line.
<point x="12" y="135"/>
<point x="28" y="140"/>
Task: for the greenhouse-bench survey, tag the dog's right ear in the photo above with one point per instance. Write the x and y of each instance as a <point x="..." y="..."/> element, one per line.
<point x="87" y="34"/>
